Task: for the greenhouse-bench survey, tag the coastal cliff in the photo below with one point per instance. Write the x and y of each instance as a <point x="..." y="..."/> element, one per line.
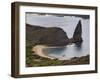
<point x="53" y="36"/>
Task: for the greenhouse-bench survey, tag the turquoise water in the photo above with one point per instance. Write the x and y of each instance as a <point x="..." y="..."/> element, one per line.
<point x="66" y="52"/>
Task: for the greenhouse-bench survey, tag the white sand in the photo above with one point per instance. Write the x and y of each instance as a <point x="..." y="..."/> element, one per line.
<point x="38" y="49"/>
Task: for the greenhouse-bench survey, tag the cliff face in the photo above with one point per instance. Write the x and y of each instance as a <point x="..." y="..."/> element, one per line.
<point x="78" y="32"/>
<point x="53" y="36"/>
<point x="77" y="36"/>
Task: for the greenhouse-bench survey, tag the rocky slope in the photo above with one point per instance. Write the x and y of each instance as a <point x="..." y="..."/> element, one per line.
<point x="52" y="36"/>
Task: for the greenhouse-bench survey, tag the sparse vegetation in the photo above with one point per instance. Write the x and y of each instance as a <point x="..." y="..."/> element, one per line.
<point x="33" y="60"/>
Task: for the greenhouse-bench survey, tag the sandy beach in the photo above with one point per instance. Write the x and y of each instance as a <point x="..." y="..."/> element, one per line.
<point x="38" y="49"/>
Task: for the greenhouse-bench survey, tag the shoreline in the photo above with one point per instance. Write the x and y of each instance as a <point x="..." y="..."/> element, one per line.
<point x="38" y="50"/>
<point x="34" y="60"/>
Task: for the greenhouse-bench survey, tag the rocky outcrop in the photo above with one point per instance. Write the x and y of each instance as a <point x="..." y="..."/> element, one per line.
<point x="53" y="36"/>
<point x="77" y="36"/>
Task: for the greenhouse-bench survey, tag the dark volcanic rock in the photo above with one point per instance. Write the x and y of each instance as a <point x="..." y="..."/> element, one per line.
<point x="78" y="32"/>
<point x="77" y="36"/>
<point x="53" y="36"/>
